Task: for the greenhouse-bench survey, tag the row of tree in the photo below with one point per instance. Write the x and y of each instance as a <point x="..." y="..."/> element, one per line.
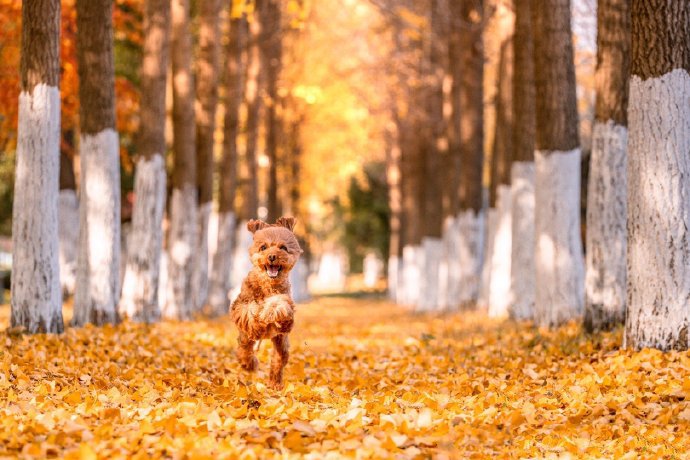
<point x="523" y="255"/>
<point x="247" y="71"/>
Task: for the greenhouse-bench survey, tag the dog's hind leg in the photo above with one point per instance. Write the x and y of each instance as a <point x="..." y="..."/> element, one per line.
<point x="245" y="353"/>
<point x="279" y="359"/>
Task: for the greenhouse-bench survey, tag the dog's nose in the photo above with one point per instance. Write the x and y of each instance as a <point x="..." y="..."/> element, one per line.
<point x="272" y="258"/>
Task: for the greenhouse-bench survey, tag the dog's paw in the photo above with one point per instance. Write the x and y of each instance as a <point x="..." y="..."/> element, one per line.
<point x="250" y="365"/>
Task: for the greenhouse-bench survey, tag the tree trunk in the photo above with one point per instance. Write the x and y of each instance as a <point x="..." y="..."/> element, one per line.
<point x="500" y="295"/>
<point x="142" y="276"/>
<point x="658" y="170"/>
<point x="36" y="304"/>
<point x="223" y="257"/>
<point x="395" y="205"/>
<point x="559" y="259"/>
<point x="606" y="194"/>
<point x="471" y="104"/>
<point x="98" y="266"/>
<point x="253" y="101"/>
<point x="207" y="101"/>
<point x="183" y="209"/>
<point x="434" y="272"/>
<point x="522" y="170"/>
<point x="412" y="210"/>
<point x="68" y="216"/>
<point x="271" y="54"/>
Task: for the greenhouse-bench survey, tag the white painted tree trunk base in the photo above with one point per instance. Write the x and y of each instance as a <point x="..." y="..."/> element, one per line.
<point x="223" y="258"/>
<point x="68" y="231"/>
<point x="241" y="262"/>
<point x="434" y="274"/>
<point x="471" y="229"/>
<point x="200" y="284"/>
<point x="182" y="253"/>
<point x="98" y="268"/>
<point x="522" y="273"/>
<point x="659" y="213"/>
<point x="605" y="290"/>
<point x="451" y="242"/>
<point x="485" y="281"/>
<point x="500" y="294"/>
<point x="559" y="262"/>
<point x="298" y="281"/>
<point x="373" y="266"/>
<point x="36" y="303"/>
<point x="413" y="261"/>
<point x="393" y="278"/>
<point x="139" y="300"/>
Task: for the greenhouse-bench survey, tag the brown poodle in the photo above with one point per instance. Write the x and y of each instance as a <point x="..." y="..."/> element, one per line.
<point x="264" y="308"/>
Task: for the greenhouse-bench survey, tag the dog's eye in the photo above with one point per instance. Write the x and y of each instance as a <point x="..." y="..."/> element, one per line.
<point x="263" y="247"/>
<point x="284" y="248"/>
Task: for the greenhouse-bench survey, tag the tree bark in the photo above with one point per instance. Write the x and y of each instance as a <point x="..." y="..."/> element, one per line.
<point x="206" y="104"/>
<point x="395" y="204"/>
<point x="471" y="104"/>
<point x="522" y="170"/>
<point x="606" y="193"/>
<point x="253" y="101"/>
<point x="658" y="284"/>
<point x="98" y="265"/>
<point x="434" y="145"/>
<point x="222" y="260"/>
<point x="271" y="54"/>
<point x="139" y="299"/>
<point x="183" y="209"/>
<point x="558" y="254"/>
<point x="36" y="304"/>
<point x="500" y="295"/>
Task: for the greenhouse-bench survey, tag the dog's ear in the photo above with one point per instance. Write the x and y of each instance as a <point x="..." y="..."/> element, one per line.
<point x="255" y="225"/>
<point x="287" y="222"/>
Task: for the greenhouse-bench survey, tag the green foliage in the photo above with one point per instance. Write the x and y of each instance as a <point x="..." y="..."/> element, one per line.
<point x="364" y="216"/>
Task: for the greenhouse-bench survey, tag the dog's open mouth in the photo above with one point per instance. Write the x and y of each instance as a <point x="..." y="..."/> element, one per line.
<point x="273" y="270"/>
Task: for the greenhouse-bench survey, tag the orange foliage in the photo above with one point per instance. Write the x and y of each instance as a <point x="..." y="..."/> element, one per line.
<point x="366" y="380"/>
<point x="127" y="22"/>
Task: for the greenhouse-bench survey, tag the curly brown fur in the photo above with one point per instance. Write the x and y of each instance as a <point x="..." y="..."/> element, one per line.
<point x="264" y="308"/>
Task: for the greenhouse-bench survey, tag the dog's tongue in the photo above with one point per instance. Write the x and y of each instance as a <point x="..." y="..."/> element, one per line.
<point x="273" y="270"/>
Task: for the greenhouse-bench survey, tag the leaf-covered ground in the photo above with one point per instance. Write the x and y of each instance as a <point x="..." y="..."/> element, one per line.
<point x="366" y="379"/>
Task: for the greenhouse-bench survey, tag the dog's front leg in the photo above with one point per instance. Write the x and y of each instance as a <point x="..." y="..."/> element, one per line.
<point x="245" y="353"/>
<point x="281" y="352"/>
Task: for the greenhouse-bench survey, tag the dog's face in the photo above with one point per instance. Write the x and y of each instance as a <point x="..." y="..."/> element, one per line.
<point x="275" y="249"/>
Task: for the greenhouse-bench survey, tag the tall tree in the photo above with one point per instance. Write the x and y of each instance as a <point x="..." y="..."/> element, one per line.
<point x="658" y="170"/>
<point x="207" y="101"/>
<point x="500" y="191"/>
<point x="234" y="82"/>
<point x="36" y="303"/>
<point x="522" y="171"/>
<point x="271" y="53"/>
<point x="68" y="214"/>
<point x="142" y="275"/>
<point x="98" y="265"/>
<point x="559" y="259"/>
<point x="183" y="206"/>
<point x="606" y="194"/>
<point x="434" y="145"/>
<point x="395" y="204"/>
<point x="468" y="16"/>
<point x="254" y="103"/>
